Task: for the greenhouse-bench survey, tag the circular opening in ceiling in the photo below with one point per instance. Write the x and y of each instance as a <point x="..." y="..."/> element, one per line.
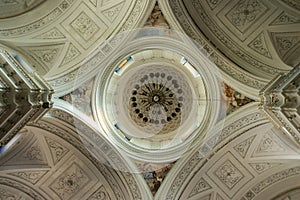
<point x="153" y="103"/>
<point x="156" y="94"/>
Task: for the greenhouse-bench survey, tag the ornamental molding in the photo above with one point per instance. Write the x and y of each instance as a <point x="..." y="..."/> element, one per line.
<point x="246" y="118"/>
<point x="293" y="4"/>
<point x="64" y="83"/>
<point x="54" y="123"/>
<point x="75" y="141"/>
<point x="164" y="40"/>
<point x="32" y="176"/>
<point x="30" y="191"/>
<point x="224" y="170"/>
<point x="15" y="8"/>
<point x="49" y="18"/>
<point x="230" y="71"/>
<point x="281" y="176"/>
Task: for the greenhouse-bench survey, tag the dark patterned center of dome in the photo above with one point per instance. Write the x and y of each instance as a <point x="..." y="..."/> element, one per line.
<point x="156" y="99"/>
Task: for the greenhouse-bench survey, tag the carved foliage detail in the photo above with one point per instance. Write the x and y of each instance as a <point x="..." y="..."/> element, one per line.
<point x="275" y="178"/>
<point x="259" y="45"/>
<point x="243" y="147"/>
<point x="71" y="54"/>
<point x="113" y="12"/>
<point x="34" y="153"/>
<point x="270" y="144"/>
<point x="11" y="8"/>
<point x="50" y="17"/>
<point x="30" y="176"/>
<point x="229" y="174"/>
<point x="56" y="149"/>
<point x="213" y="3"/>
<point x="46" y="55"/>
<point x="100" y="194"/>
<point x="261" y="167"/>
<point x="68" y="118"/>
<point x="224" y="39"/>
<point x="285" y="42"/>
<point x="51" y="34"/>
<point x="285" y="18"/>
<point x="245" y="13"/>
<point x="7" y="195"/>
<point x="201" y="186"/>
<point x="70" y="182"/>
<point x="84" y="26"/>
<point x="182" y="175"/>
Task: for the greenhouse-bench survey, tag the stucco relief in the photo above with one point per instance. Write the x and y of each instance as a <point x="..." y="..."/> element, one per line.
<point x="201" y="186"/>
<point x="32" y="26"/>
<point x="245" y="13"/>
<point x="57" y="150"/>
<point x="113" y="156"/>
<point x="70" y="182"/>
<point x="274" y="178"/>
<point x="99" y="194"/>
<point x="32" y="176"/>
<point x="71" y="54"/>
<point x="285" y="18"/>
<point x="229" y="174"/>
<point x="286" y="42"/>
<point x="21" y="188"/>
<point x="84" y="26"/>
<point x="53" y="33"/>
<point x="113" y="12"/>
<point x="260" y="46"/>
<point x="294" y="4"/>
<point x="243" y="147"/>
<point x="213" y="3"/>
<point x="196" y="160"/>
<point x="263" y="166"/>
<point x="229" y="42"/>
<point x="12" y="8"/>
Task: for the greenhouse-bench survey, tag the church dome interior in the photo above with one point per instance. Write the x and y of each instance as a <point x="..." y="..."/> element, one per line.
<point x="150" y="99"/>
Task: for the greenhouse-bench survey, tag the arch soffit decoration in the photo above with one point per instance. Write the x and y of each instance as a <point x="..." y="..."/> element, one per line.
<point x="69" y="157"/>
<point x="242" y="80"/>
<point x="267" y="159"/>
<point x="241" y="31"/>
<point x="90" y="135"/>
<point x="52" y="39"/>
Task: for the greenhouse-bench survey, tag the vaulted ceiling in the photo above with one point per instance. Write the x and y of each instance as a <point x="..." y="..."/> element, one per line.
<point x="65" y="155"/>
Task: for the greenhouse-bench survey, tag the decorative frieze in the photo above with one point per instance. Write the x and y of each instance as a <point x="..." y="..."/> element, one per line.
<point x="32" y="176"/>
<point x="201" y="186"/>
<point x="99" y="194"/>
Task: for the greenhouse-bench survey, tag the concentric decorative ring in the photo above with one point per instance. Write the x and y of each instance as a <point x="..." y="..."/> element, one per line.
<point x="153" y="94"/>
<point x="157" y="100"/>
